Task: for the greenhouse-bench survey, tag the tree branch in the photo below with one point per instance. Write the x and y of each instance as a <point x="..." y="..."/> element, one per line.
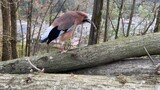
<point x="149" y="55"/>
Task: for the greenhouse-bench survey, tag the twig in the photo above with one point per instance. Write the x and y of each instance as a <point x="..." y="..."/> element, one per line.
<point x="139" y="24"/>
<point x="149" y="56"/>
<point x="59" y="10"/>
<point x="35" y="66"/>
<point x="157" y="66"/>
<point x="150" y="24"/>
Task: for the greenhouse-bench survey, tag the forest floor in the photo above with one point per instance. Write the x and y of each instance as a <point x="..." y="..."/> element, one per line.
<point x="43" y="81"/>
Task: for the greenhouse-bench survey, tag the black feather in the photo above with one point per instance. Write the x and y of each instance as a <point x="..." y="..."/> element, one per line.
<point x="54" y="33"/>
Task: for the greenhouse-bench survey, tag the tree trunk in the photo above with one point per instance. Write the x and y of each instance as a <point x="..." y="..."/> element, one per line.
<point x="29" y="24"/>
<point x="130" y="18"/>
<point x="77" y="82"/>
<point x="119" y="17"/>
<point x="129" y="66"/>
<point x="96" y="18"/>
<point x="106" y="22"/>
<point x="157" y="26"/>
<point x="22" y="36"/>
<point x="87" y="56"/>
<point x="6" y="50"/>
<point x="13" y="28"/>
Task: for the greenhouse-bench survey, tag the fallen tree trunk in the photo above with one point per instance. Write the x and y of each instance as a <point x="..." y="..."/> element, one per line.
<point x="129" y="66"/>
<point x="87" y="56"/>
<point x="77" y="82"/>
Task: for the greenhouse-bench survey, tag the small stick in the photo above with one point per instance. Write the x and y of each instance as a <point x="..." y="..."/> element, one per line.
<point x="149" y="56"/>
<point x="157" y="66"/>
<point x="35" y="66"/>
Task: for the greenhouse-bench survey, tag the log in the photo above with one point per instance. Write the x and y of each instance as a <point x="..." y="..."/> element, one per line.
<point x="129" y="66"/>
<point x="77" y="82"/>
<point x="87" y="56"/>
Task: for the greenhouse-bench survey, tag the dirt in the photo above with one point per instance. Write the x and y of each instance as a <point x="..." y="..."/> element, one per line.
<point x="77" y="82"/>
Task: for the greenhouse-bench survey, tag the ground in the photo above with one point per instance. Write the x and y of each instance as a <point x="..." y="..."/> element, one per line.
<point x="77" y="82"/>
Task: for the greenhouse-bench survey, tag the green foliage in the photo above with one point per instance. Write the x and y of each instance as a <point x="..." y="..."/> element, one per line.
<point x="143" y="11"/>
<point x="115" y="13"/>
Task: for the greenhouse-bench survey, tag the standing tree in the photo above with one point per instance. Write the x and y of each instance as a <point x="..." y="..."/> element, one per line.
<point x="96" y="18"/>
<point x="28" y="35"/>
<point x="106" y="22"/>
<point x="130" y="18"/>
<point x="157" y="26"/>
<point x="119" y="17"/>
<point x="6" y="50"/>
<point x="13" y="18"/>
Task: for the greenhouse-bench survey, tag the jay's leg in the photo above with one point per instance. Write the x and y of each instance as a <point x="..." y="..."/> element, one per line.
<point x="48" y="47"/>
<point x="66" y="36"/>
<point x="62" y="47"/>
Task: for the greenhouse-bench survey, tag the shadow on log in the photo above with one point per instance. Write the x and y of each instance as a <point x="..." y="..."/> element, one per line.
<point x="87" y="56"/>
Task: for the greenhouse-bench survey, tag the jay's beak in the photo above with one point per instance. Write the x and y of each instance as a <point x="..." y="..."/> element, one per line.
<point x="89" y="21"/>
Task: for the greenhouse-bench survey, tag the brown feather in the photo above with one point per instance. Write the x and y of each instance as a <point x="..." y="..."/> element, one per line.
<point x="68" y="19"/>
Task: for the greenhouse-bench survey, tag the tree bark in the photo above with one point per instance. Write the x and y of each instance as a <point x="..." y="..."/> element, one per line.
<point x="106" y="22"/>
<point x="77" y="82"/>
<point x="96" y="18"/>
<point x="119" y="18"/>
<point x="6" y="49"/>
<point x="29" y="27"/>
<point x="156" y="29"/>
<point x="13" y="16"/>
<point x="130" y="18"/>
<point x="87" y="56"/>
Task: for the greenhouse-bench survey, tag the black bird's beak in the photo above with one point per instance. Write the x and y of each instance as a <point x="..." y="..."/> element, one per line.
<point x="89" y="21"/>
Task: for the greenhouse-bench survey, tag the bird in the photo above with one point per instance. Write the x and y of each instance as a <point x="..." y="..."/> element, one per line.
<point x="64" y="27"/>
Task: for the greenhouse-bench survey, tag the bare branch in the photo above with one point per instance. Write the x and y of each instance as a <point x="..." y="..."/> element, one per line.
<point x="35" y="66"/>
<point x="149" y="55"/>
<point x="59" y="10"/>
<point x="151" y="22"/>
<point x="139" y="24"/>
<point x="114" y="29"/>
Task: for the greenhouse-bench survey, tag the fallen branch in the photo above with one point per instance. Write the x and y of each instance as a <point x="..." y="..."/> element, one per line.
<point x="149" y="56"/>
<point x="35" y="66"/>
<point x="157" y="64"/>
